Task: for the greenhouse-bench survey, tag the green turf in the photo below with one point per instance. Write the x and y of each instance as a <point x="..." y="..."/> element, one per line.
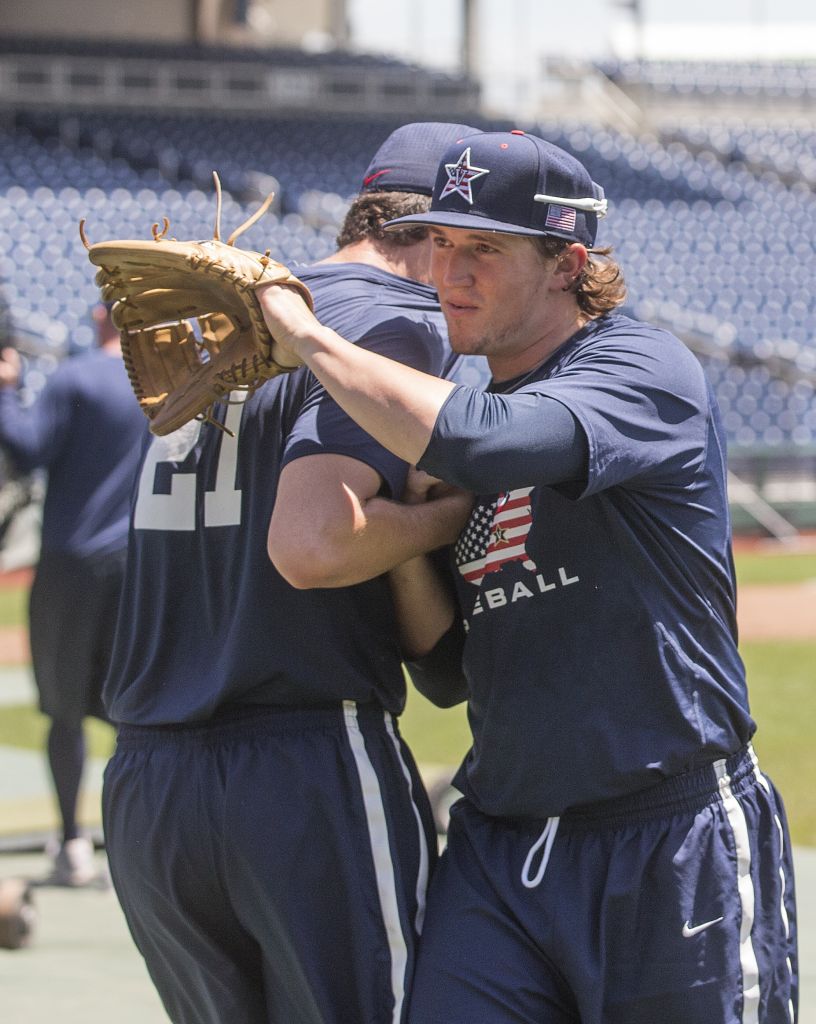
<point x="24" y="726"/>
<point x="783" y="567"/>
<point x="13" y="606"/>
<point x="435" y="735"/>
<point x="782" y="686"/>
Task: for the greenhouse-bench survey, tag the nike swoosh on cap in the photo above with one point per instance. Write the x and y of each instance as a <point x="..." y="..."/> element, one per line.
<point x="689" y="929"/>
<point x="375" y="175"/>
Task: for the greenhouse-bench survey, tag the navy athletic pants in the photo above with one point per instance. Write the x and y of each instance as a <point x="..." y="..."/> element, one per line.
<point x="675" y="906"/>
<point x="272" y="866"/>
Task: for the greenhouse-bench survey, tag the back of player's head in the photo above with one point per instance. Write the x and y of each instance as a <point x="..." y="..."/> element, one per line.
<point x="514" y="183"/>
<point x="398" y="182"/>
<point x="407" y="161"/>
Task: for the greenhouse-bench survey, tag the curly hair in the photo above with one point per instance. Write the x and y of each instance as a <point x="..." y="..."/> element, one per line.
<point x="600" y="286"/>
<point x="369" y="211"/>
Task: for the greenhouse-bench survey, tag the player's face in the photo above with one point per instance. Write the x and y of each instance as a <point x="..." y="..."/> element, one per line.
<point x="497" y="295"/>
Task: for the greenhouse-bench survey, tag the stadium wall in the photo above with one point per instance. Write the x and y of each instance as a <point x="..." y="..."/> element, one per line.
<point x="251" y="22"/>
<point x="96" y="19"/>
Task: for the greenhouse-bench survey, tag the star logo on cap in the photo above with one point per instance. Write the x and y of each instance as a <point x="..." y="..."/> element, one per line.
<point x="460" y="176"/>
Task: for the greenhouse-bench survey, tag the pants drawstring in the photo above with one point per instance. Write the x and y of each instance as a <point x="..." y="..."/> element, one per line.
<point x="547" y="838"/>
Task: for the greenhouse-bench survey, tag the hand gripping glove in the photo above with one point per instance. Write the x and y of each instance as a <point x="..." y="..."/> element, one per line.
<point x="191" y="326"/>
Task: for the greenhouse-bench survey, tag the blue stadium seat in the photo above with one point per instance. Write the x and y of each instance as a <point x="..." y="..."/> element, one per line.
<point x="696" y="223"/>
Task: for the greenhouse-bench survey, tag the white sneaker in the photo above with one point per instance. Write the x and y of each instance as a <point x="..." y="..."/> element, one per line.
<point x="75" y="864"/>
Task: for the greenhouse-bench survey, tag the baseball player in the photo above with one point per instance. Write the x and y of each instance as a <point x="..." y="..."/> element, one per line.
<point x="86" y="432"/>
<point x="619" y="856"/>
<point x="269" y="837"/>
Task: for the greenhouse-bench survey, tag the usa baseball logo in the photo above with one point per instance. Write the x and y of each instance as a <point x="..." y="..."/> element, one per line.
<point x="460" y="176"/>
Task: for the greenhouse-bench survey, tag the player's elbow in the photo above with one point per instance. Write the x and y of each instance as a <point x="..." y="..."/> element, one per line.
<point x="307" y="565"/>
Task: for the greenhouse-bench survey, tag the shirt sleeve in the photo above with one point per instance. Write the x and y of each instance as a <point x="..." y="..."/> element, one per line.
<point x="438" y="675"/>
<point x="322" y="427"/>
<point x="635" y="408"/>
<point x="35" y="436"/>
<point x="485" y="442"/>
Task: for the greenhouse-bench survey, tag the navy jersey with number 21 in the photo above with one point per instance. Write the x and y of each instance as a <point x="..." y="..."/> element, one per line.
<point x="206" y="620"/>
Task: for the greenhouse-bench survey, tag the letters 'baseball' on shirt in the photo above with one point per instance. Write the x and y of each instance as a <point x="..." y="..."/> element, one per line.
<point x="601" y="650"/>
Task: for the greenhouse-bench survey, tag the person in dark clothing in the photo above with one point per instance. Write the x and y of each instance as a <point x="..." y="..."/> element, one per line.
<point x="269" y="837"/>
<point x="618" y="855"/>
<point x="86" y="430"/>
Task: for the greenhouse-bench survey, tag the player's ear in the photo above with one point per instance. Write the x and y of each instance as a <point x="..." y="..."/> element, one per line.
<point x="569" y="265"/>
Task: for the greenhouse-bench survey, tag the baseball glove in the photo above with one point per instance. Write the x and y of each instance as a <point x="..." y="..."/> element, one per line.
<point x="191" y="326"/>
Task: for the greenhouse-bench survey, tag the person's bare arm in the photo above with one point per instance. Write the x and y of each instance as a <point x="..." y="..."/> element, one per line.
<point x="396" y="404"/>
<point x="430" y="630"/>
<point x="424" y="605"/>
<point x="10" y="368"/>
<point x="330" y="529"/>
<point x="423" y="598"/>
<point x="400" y="407"/>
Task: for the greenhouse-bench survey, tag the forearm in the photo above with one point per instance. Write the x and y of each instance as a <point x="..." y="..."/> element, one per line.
<point x="481" y="441"/>
<point x="390" y="534"/>
<point x="396" y="404"/>
<point x="424" y="605"/>
<point x="431" y="632"/>
<point x="372" y="538"/>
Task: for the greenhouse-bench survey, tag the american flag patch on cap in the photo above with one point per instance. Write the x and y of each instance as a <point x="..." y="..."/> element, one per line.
<point x="560" y="217"/>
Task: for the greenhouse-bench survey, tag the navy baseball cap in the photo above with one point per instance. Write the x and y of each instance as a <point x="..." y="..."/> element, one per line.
<point x="514" y="183"/>
<point x="408" y="159"/>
